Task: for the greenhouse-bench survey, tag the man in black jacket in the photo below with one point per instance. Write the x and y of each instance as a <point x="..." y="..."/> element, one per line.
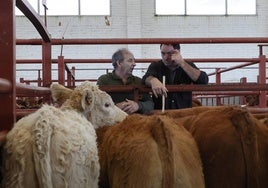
<point x="176" y="71"/>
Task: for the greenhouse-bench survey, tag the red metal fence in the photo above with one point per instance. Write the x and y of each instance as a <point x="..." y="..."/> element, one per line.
<point x="206" y="98"/>
<point x="9" y="89"/>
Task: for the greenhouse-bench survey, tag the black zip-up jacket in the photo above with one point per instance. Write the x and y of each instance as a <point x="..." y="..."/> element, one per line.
<point x="175" y="100"/>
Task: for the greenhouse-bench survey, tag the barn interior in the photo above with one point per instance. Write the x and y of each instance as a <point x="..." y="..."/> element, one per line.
<point x="38" y="49"/>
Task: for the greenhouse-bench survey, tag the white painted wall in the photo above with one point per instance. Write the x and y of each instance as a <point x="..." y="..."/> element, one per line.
<point x="136" y="19"/>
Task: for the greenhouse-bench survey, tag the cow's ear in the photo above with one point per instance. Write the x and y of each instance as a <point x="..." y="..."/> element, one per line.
<point x="88" y="99"/>
<point x="60" y="93"/>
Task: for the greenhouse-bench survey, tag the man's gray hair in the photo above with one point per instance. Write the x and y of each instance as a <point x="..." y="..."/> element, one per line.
<point x="119" y="56"/>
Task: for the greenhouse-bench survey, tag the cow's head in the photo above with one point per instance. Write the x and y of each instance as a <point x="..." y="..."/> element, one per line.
<point x="96" y="105"/>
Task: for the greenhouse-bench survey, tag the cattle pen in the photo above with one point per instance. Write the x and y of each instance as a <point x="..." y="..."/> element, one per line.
<point x="9" y="89"/>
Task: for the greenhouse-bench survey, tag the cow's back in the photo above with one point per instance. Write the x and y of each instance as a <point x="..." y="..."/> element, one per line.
<point x="233" y="147"/>
<point x="50" y="148"/>
<point x="18" y="168"/>
<point x="149" y="151"/>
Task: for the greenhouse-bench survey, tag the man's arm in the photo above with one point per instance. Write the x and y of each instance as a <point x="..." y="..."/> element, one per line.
<point x="158" y="87"/>
<point x="146" y="104"/>
<point x="192" y="72"/>
<point x="143" y="106"/>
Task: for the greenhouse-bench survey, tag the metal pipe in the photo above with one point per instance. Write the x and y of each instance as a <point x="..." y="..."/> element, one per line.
<point x="28" y="90"/>
<point x="143" y="60"/>
<point x="145" y="41"/>
<point x="5" y="86"/>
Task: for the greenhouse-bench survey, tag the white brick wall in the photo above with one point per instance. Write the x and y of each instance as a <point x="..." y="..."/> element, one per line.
<point x="136" y="19"/>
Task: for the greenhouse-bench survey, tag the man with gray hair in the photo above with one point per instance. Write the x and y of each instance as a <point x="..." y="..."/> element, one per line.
<point x="124" y="62"/>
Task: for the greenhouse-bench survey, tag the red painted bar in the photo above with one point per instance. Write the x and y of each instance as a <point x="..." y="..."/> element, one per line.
<point x="262" y="80"/>
<point x="61" y="70"/>
<point x="29" y="42"/>
<point x="7" y="62"/>
<point x="175" y="88"/>
<point x="237" y="67"/>
<point x="23" y="112"/>
<point x="28" y="90"/>
<point x="257" y="110"/>
<point x="159" y="40"/>
<point x="39" y="79"/>
<point x="218" y="82"/>
<point x="47" y="64"/>
<point x="200" y="60"/>
<point x="5" y="86"/>
<point x="145" y="41"/>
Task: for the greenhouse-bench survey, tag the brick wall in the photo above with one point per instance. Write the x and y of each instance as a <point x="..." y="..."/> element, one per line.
<point x="136" y="19"/>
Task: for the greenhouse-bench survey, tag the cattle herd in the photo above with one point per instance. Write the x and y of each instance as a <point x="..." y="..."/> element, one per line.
<point x="88" y="142"/>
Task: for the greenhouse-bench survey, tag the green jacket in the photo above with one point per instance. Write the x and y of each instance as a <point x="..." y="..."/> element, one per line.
<point x="145" y="100"/>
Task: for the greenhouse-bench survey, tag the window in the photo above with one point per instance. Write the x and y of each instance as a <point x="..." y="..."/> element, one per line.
<point x="169" y="7"/>
<point x="95" y="7"/>
<point x="61" y="7"/>
<point x="34" y="4"/>
<point x="70" y="7"/>
<point x="205" y="7"/>
<point x="248" y="7"/>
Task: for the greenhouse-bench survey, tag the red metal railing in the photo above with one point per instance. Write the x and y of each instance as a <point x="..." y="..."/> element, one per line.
<point x="7" y="54"/>
<point x="205" y="97"/>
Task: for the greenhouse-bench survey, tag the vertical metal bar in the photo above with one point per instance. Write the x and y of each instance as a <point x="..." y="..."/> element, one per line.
<point x="218" y="82"/>
<point x="242" y="100"/>
<point x="7" y="62"/>
<point x="262" y="80"/>
<point x="69" y="79"/>
<point x="73" y="78"/>
<point x="260" y="50"/>
<point x="46" y="64"/>
<point x="39" y="80"/>
<point x="61" y="70"/>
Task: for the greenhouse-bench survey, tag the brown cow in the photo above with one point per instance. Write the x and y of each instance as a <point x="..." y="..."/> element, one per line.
<point x="233" y="145"/>
<point x="148" y="151"/>
<point x="262" y="117"/>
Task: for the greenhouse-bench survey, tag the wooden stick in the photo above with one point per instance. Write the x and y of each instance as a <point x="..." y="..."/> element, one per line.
<point x="163" y="96"/>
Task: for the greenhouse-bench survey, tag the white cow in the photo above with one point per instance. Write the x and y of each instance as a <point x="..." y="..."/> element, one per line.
<point x="57" y="147"/>
<point x="96" y="105"/>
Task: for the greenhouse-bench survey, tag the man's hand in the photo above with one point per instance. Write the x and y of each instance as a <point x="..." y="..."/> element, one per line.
<point x="177" y="58"/>
<point x="158" y="88"/>
<point x="128" y="106"/>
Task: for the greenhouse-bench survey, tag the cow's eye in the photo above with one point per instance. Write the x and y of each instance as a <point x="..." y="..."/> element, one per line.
<point x="107" y="105"/>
